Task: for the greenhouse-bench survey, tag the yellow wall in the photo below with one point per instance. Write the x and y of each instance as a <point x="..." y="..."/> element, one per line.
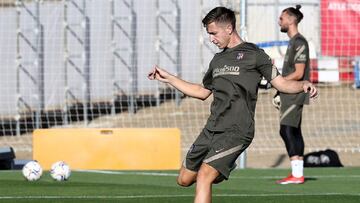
<point x="109" y="149"/>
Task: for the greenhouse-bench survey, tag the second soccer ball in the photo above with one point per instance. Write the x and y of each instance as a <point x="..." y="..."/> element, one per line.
<point x="60" y="171"/>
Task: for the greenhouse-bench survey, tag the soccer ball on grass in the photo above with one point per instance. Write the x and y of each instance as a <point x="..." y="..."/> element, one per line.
<point x="32" y="171"/>
<point x="60" y="171"/>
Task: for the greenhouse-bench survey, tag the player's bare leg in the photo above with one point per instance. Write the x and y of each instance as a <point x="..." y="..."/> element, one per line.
<point x="296" y="158"/>
<point x="204" y="181"/>
<point x="186" y="177"/>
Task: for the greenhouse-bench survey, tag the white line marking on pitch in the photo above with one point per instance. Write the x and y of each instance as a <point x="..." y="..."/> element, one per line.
<point x="231" y="177"/>
<point x="172" y="196"/>
<point x="128" y="173"/>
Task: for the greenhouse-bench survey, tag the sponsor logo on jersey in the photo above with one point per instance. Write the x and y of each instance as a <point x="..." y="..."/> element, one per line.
<point x="219" y="150"/>
<point x="226" y="70"/>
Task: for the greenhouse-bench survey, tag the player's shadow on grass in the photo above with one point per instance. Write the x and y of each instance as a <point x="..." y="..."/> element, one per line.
<point x="279" y="161"/>
<point x="310" y="179"/>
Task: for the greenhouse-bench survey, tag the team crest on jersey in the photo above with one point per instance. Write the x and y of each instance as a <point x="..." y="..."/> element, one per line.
<point x="240" y="56"/>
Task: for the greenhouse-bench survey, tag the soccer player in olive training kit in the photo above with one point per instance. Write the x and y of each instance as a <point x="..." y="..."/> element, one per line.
<point x="233" y="78"/>
<point x="296" y="67"/>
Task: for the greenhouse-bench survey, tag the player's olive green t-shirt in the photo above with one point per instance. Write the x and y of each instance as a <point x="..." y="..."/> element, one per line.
<point x="297" y="52"/>
<point x="233" y="77"/>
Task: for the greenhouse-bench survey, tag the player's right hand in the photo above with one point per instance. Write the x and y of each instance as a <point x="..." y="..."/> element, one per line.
<point x="151" y="74"/>
<point x="159" y="74"/>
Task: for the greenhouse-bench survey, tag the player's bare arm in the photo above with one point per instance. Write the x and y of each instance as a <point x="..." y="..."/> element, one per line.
<point x="292" y="86"/>
<point x="298" y="74"/>
<point x="189" y="89"/>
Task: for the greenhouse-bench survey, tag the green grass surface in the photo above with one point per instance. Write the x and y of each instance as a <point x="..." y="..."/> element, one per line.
<point x="251" y="185"/>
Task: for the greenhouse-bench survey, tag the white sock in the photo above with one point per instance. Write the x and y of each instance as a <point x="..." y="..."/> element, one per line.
<point x="297" y="167"/>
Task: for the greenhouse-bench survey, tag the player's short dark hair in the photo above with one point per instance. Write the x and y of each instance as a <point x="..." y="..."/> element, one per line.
<point x="220" y="15"/>
<point x="295" y="12"/>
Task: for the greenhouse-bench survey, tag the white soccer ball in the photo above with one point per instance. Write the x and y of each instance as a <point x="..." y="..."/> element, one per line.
<point x="32" y="171"/>
<point x="60" y="171"/>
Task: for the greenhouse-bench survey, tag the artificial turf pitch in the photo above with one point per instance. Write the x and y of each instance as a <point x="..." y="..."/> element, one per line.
<point x="246" y="185"/>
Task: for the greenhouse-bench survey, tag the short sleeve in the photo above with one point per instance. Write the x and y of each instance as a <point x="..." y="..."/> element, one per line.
<point x="207" y="80"/>
<point x="301" y="51"/>
<point x="265" y="66"/>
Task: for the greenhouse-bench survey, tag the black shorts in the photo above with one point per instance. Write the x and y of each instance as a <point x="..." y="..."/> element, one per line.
<point x="218" y="149"/>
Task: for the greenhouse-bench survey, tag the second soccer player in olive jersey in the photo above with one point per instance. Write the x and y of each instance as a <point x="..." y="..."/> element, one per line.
<point x="296" y="67"/>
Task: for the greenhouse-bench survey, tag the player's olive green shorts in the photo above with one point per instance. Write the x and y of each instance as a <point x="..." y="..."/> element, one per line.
<point x="291" y="114"/>
<point x="218" y="149"/>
